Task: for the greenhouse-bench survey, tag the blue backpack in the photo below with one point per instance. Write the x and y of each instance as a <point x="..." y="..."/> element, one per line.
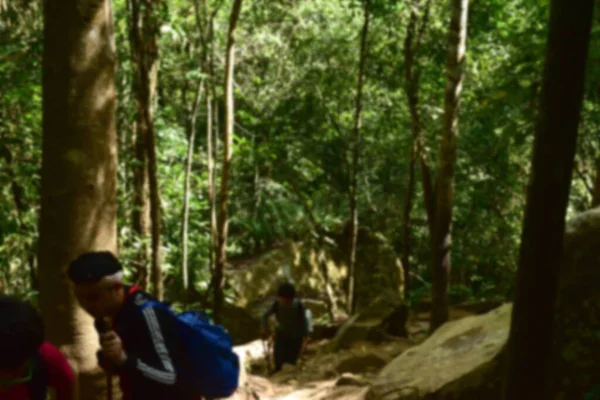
<point x="214" y="368"/>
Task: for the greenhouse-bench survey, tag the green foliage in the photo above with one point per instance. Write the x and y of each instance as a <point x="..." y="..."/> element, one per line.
<point x="296" y="73"/>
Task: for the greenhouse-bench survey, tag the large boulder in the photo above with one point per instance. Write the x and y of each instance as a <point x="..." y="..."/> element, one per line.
<point x="378" y="269"/>
<point x="461" y="360"/>
<point x="385" y="317"/>
<point x="240" y="324"/>
<point x="577" y="339"/>
<point x="255" y="282"/>
<point x="320" y="275"/>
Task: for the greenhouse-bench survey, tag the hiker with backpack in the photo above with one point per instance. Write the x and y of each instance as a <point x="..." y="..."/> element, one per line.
<point x="30" y="368"/>
<point x="291" y="334"/>
<point x="156" y="353"/>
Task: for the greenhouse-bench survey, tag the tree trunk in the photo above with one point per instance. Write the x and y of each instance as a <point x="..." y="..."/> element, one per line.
<point x="412" y="44"/>
<point x="144" y="39"/>
<point x="211" y="180"/>
<point x="157" y="281"/>
<point x="256" y="182"/>
<point x="406" y="227"/>
<point x="141" y="206"/>
<point x="205" y="25"/>
<point x="223" y="219"/>
<point x="79" y="168"/>
<point x="141" y="196"/>
<point x="186" y="190"/>
<point x="445" y="182"/>
<point x="356" y="158"/>
<point x="212" y="185"/>
<point x="596" y="196"/>
<point x="541" y="253"/>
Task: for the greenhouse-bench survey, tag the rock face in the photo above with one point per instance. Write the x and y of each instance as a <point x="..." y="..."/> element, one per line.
<point x="465" y="359"/>
<point x="320" y="276"/>
<point x="461" y="360"/>
<point x="242" y="326"/>
<point x="576" y="351"/>
<point x="378" y="269"/>
<point x="385" y="316"/>
<point x="256" y="283"/>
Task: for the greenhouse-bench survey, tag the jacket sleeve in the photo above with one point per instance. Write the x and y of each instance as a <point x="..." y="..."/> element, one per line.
<point x="267" y="314"/>
<point x="158" y="330"/>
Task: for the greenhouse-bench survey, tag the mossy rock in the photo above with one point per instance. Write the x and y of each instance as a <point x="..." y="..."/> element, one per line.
<point x="462" y="360"/>
<point x="576" y="350"/>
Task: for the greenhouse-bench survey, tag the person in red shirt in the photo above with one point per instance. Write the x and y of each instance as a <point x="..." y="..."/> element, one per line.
<point x="30" y="368"/>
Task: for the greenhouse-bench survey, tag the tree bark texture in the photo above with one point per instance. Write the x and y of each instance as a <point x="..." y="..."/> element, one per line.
<point x="540" y="257"/>
<point x="141" y="193"/>
<point x="186" y="190"/>
<point x="445" y="183"/>
<point x="144" y="38"/>
<point x="79" y="168"/>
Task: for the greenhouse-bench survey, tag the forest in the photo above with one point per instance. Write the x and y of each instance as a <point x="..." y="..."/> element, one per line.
<point x="420" y="158"/>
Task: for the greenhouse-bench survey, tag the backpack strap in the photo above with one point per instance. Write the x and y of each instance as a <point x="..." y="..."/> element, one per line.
<point x="156" y="304"/>
<point x="38" y="386"/>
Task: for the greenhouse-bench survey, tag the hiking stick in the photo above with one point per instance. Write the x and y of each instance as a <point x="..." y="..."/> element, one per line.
<point x="102" y="327"/>
<point x="266" y="348"/>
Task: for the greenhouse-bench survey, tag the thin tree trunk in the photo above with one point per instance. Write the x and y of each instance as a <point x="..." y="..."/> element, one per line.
<point x="596" y="196"/>
<point x="211" y="180"/>
<point x="406" y="227"/>
<point x="257" y="191"/>
<point x="223" y="219"/>
<point x="214" y="150"/>
<point x="141" y="205"/>
<point x="157" y="281"/>
<point x="141" y="197"/>
<point x="186" y="190"/>
<point x="541" y="252"/>
<point x="445" y="182"/>
<point x="205" y="25"/>
<point x="79" y="169"/>
<point x="428" y="192"/>
<point x="145" y="30"/>
<point x="412" y="44"/>
<point x="356" y="158"/>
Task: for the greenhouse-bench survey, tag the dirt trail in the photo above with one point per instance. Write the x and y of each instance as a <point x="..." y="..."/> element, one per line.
<point x="323" y="375"/>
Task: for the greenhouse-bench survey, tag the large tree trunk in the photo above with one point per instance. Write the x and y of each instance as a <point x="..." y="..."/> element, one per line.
<point x="540" y="256"/>
<point x="186" y="189"/>
<point x="223" y="219"/>
<point x="144" y="38"/>
<point x="445" y="182"/>
<point x="356" y="158"/>
<point x="79" y="168"/>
